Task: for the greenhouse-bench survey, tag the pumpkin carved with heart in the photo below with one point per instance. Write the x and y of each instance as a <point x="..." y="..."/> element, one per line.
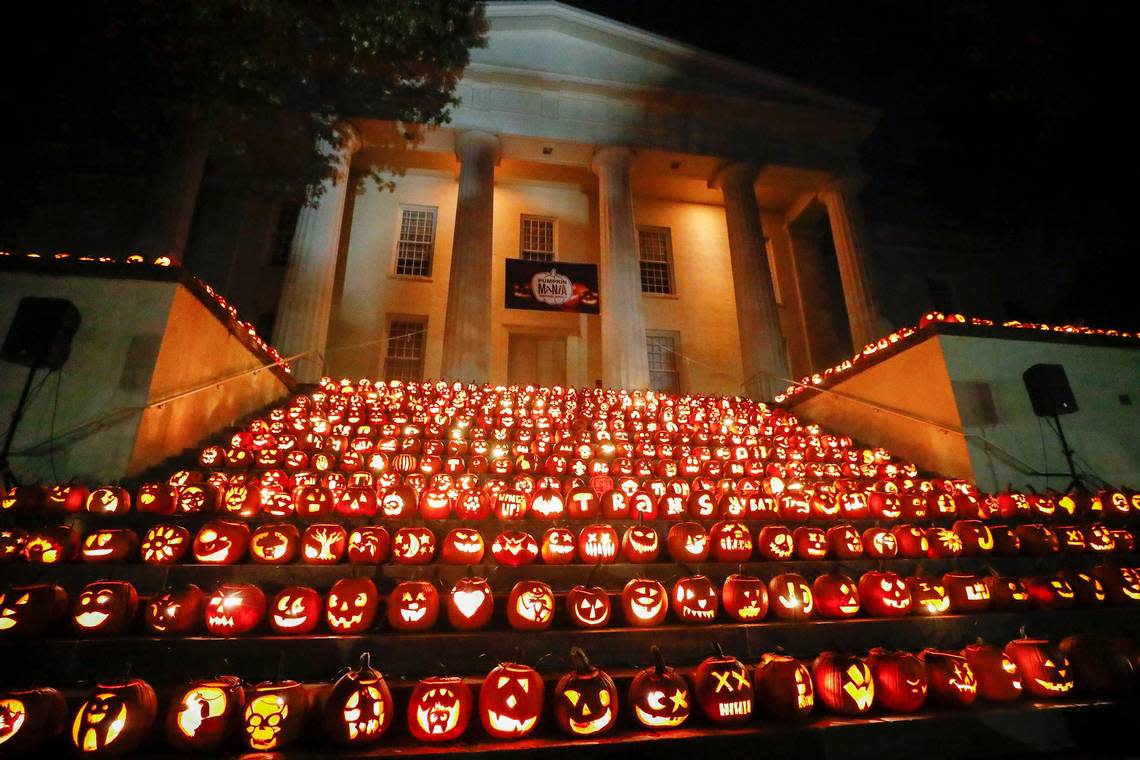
<point x="470" y="604"/>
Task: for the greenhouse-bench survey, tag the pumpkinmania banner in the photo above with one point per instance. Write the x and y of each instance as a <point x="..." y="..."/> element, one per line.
<point x="552" y="286"/>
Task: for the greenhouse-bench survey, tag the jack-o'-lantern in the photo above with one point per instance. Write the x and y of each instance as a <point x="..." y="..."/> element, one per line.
<point x="275" y="544"/>
<point x="221" y="542"/>
<point x="175" y="611"/>
<point x="439" y="709"/>
<point x="472" y="505"/>
<point x="30" y="719"/>
<point x="644" y="602"/>
<point x="274" y="714"/>
<point x="462" y="546"/>
<point x="585" y="699"/>
<point x="952" y="681"/>
<point x="12" y="542"/>
<point x="295" y="610"/>
<point x="730" y="541"/>
<point x="31" y="610"/>
<point x="413" y="546"/>
<point x="435" y="504"/>
<point x="511" y="700"/>
<point x="968" y="593"/>
<point x="659" y="695"/>
<point x="928" y="596"/>
<point x="1102" y="664"/>
<point x="1123" y="540"/>
<point x="723" y="689"/>
<point x="234" y="609"/>
<point x="509" y="504"/>
<point x="588" y="606"/>
<point x="745" y="598"/>
<point x="514" y="548"/>
<point x="997" y="676"/>
<point x="694" y="599"/>
<point x="688" y="542"/>
<point x="975" y="536"/>
<point x="1088" y="591"/>
<point x="548" y="504"/>
<point x="1006" y="541"/>
<point x="582" y="504"/>
<point x="783" y="688"/>
<point x="1071" y="539"/>
<point x="312" y="502"/>
<point x="68" y="497"/>
<point x="197" y="498"/>
<point x="242" y="498"/>
<point x="900" y="679"/>
<point x="1121" y="584"/>
<point x="398" y="502"/>
<point x="51" y="546"/>
<point x="202" y="714"/>
<point x="356" y="501"/>
<point x="843" y="682"/>
<point x="368" y="545"/>
<point x="559" y="546"/>
<point x="836" y="596"/>
<point x="1052" y="592"/>
<point x="1036" y="540"/>
<point x="109" y="500"/>
<point x="790" y="596"/>
<point x="884" y="594"/>
<point x="165" y="544"/>
<point x="640" y="544"/>
<point x="880" y="543"/>
<point x="912" y="541"/>
<point x="845" y="542"/>
<point x="1099" y="539"/>
<point x="775" y="542"/>
<point x="323" y="544"/>
<point x="1007" y="593"/>
<point x="470" y="604"/>
<point x="943" y="543"/>
<point x="810" y="542"/>
<point x="114" y="719"/>
<point x="530" y="606"/>
<point x="104" y="608"/>
<point x="110" y="545"/>
<point x="598" y="543"/>
<point x="413" y="606"/>
<point x="351" y="605"/>
<point x="1045" y="672"/>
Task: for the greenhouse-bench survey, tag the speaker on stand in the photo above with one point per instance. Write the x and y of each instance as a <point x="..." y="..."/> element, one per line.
<point x="38" y="338"/>
<point x="1052" y="396"/>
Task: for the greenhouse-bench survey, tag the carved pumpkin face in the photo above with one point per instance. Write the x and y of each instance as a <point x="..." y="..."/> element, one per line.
<point x="413" y="546"/>
<point x="530" y="606"/>
<point x="783" y="687"/>
<point x="1087" y="588"/>
<point x="31" y="610"/>
<point x="644" y="602"/>
<point x="413" y="606"/>
<point x="694" y="600"/>
<point x="598" y="543"/>
<point x="928" y="596"/>
<point x="588" y="606"/>
<point x="884" y="594"/>
<point x="952" y="681"/>
<point x="295" y="610"/>
<point x="202" y="714"/>
<point x="723" y="689"/>
<point x="640" y="544"/>
<point x="104" y="608"/>
<point x="843" y="683"/>
<point x="585" y="702"/>
<point x="514" y="548"/>
<point x="176" y="611"/>
<point x="880" y="543"/>
<point x="70" y="497"/>
<point x="775" y="542"/>
<point x="1007" y="593"/>
<point x="274" y="715"/>
<point x="470" y="604"/>
<point x="1050" y="592"/>
<point x="114" y="719"/>
<point x="439" y="709"/>
<point x="559" y="546"/>
<point x="234" y="609"/>
<point x="109" y="500"/>
<point x="510" y="701"/>
<point x="844" y="542"/>
<point x="731" y="541"/>
<point x="688" y="542"/>
<point x="836" y="596"/>
<point x="30" y="719"/>
<point x="110" y="545"/>
<point x="791" y="597"/>
<point x="221" y="542"/>
<point x="745" y="598"/>
<point x="997" y="676"/>
<point x="359" y="708"/>
<point x="351" y="605"/>
<point x="1045" y="672"/>
<point x="660" y="697"/>
<point x="968" y="593"/>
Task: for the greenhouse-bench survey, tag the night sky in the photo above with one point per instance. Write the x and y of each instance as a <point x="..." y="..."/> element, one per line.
<point x="1006" y="118"/>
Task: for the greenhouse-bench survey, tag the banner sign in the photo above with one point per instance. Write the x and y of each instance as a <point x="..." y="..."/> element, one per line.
<point x="552" y="286"/>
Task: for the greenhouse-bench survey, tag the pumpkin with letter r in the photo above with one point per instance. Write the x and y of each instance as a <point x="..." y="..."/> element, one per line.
<point x="659" y="695"/>
<point x="585" y="699"/>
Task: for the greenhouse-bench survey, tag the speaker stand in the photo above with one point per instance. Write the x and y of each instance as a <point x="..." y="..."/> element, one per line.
<point x="1077" y="478"/>
<point x="6" y="474"/>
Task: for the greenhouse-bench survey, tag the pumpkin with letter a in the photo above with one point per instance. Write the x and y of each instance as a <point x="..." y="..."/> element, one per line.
<point x="900" y="679"/>
<point x="1045" y="672"/>
<point x="836" y="596"/>
<point x="997" y="675"/>
<point x="952" y="681"/>
<point x="510" y="701"/>
<point x="30" y="719"/>
<point x="234" y="609"/>
<point x="644" y="602"/>
<point x="843" y="682"/>
<point x="530" y="606"/>
<point x="783" y="686"/>
<point x="203" y="713"/>
<point x="790" y="596"/>
<point x="114" y="719"/>
<point x="413" y="606"/>
<point x="439" y="709"/>
<point x="359" y="707"/>
<point x="31" y="610"/>
<point x="659" y="695"/>
<point x="104" y="608"/>
<point x="175" y="611"/>
<point x="723" y="689"/>
<point x="275" y="712"/>
<point x="585" y="699"/>
<point x="470" y="604"/>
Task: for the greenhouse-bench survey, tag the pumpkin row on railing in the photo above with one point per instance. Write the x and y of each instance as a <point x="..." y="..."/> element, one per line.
<point x="355" y="605"/>
<point x="227" y="542"/>
<point x="513" y="701"/>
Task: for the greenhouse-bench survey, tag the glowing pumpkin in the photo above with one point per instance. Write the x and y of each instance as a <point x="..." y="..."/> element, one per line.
<point x="439" y="709"/>
<point x="114" y="719"/>
<point x="659" y="695"/>
<point x="203" y="714"/>
<point x="585" y="699"/>
<point x="359" y="707"/>
<point x="510" y="701"/>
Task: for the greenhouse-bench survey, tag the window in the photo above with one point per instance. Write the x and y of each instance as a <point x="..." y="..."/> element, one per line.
<point x="417" y="240"/>
<point x="664" y="367"/>
<point x="656" y="250"/>
<point x="405" y="357"/>
<point x="771" y="253"/>
<point x="282" y="243"/>
<point x="536" y="239"/>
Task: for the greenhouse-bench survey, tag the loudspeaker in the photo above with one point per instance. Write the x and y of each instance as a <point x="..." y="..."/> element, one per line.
<point x="1049" y="390"/>
<point x="41" y="332"/>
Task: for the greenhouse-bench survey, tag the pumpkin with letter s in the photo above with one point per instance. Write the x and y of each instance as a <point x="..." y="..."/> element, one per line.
<point x="204" y="713"/>
<point x="114" y="719"/>
<point x="511" y="700"/>
<point x="659" y="695"/>
<point x="900" y="678"/>
<point x="723" y="688"/>
<point x="359" y="707"/>
<point x="30" y="719"/>
<point x="274" y="714"/>
<point x="585" y="699"/>
<point x="439" y="709"/>
<point x="783" y="687"/>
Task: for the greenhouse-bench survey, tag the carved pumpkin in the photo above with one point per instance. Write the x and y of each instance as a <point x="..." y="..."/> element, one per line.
<point x="790" y="596"/>
<point x="688" y="542"/>
<point x="413" y="546"/>
<point x="104" y="608"/>
<point x="221" y="542"/>
<point x="510" y="701"/>
<point x="176" y="611"/>
<point x="952" y="681"/>
<point x="439" y="709"/>
<point x="12" y="542"/>
<point x="598" y="543"/>
<point x="274" y="715"/>
<point x="31" y="610"/>
<point x="1121" y="584"/>
<point x="884" y="594"/>
<point x="900" y="679"/>
<point x="351" y="605"/>
<point x="530" y="606"/>
<point x="730" y="541"/>
<point x="928" y="596"/>
<point x="165" y="544"/>
<point x="745" y="598"/>
<point x="398" y="502"/>
<point x="51" y="546"/>
<point x="588" y="606"/>
<point x="110" y="545"/>
<point x="997" y="675"/>
<point x="1006" y="541"/>
<point x="70" y="497"/>
<point x="843" y="682"/>
<point x="968" y="593"/>
<point x="912" y="541"/>
<point x="845" y="542"/>
<point x="775" y="542"/>
<point x="204" y="713"/>
<point x="582" y="504"/>
<point x="369" y="545"/>
<point x="234" y="609"/>
<point x="1102" y="664"/>
<point x="694" y="600"/>
<point x="114" y="719"/>
<point x="723" y="689"/>
<point x="109" y="500"/>
<point x="295" y="610"/>
<point x="644" y="602"/>
<point x="470" y="604"/>
<point x="836" y="596"/>
<point x="30" y="719"/>
<point x="585" y="700"/>
<point x="1052" y="592"/>
<point x="514" y="548"/>
<point x="1088" y="591"/>
<point x="359" y="707"/>
<point x="1037" y="540"/>
<point x="1045" y="672"/>
<point x="323" y="544"/>
<point x="943" y="543"/>
<point x="659" y="695"/>
<point x="462" y="546"/>
<point x="275" y="544"/>
<point x="976" y="538"/>
<point x="640" y="544"/>
<point x="1007" y="593"/>
<point x="783" y="687"/>
<point x="413" y="606"/>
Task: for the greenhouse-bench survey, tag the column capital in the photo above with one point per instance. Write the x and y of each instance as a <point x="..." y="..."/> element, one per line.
<point x="732" y="172"/>
<point x="611" y="156"/>
<point x="476" y="142"/>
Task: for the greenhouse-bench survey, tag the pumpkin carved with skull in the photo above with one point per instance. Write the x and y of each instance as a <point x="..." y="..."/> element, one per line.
<point x="439" y="709"/>
<point x="275" y="544"/>
<point x="510" y="701"/>
<point x="359" y="707"/>
<point x="274" y="714"/>
<point x="775" y="542"/>
<point x="114" y="718"/>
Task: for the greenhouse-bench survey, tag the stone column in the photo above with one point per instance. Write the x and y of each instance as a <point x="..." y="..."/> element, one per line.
<point x="467" y="328"/>
<point x="758" y="320"/>
<point x="852" y="255"/>
<point x="173" y="193"/>
<point x="306" y="296"/>
<point x="625" y="361"/>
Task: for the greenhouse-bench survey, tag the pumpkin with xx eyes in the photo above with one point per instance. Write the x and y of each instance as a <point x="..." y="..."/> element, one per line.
<point x="110" y="545"/>
<point x="369" y="545"/>
<point x="295" y="610"/>
<point x="598" y="543"/>
<point x="114" y="719"/>
<point x="175" y="611"/>
<point x="1045" y="672"/>
<point x="470" y="604"/>
<point x="783" y="687"/>
<point x="588" y="606"/>
<point x="234" y="609"/>
<point x="843" y="683"/>
<point x="694" y="600"/>
<point x="836" y="596"/>
<point x="203" y="713"/>
<point x="104" y="608"/>
<point x="31" y="610"/>
<point x="530" y="606"/>
<point x="997" y="675"/>
<point x="511" y="700"/>
<point x="439" y="709"/>
<point x="351" y="605"/>
<point x="688" y="542"/>
<point x="30" y="719"/>
<point x="644" y="602"/>
<point x="359" y="708"/>
<point x="900" y="679"/>
<point x="413" y="606"/>
<point x="514" y="548"/>
<point x="274" y="715"/>
<point x="559" y="546"/>
<point x="585" y="699"/>
<point x="221" y="542"/>
<point x="952" y="680"/>
<point x="723" y="689"/>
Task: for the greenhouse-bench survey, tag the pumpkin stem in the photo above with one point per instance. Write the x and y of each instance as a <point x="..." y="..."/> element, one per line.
<point x="1021" y="631"/>
<point x="581" y="662"/>
<point x="718" y="649"/>
<point x="366" y="661"/>
<point x="658" y="660"/>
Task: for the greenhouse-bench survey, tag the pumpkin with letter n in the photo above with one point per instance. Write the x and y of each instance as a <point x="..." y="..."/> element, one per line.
<point x="585" y="699"/>
<point x="275" y="712"/>
<point x="114" y="719"/>
<point x="659" y="695"/>
<point x="359" y="706"/>
<point x="439" y="709"/>
<point x="203" y="713"/>
<point x="510" y="701"/>
<point x="29" y="719"/>
<point x="783" y="687"/>
<point x="843" y="682"/>
<point x="723" y="689"/>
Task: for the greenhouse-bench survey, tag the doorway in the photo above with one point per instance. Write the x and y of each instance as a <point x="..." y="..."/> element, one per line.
<point x="536" y="359"/>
